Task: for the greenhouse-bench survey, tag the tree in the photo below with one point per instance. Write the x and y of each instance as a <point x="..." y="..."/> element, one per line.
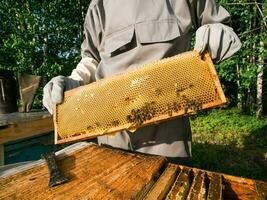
<point x="260" y="75"/>
<point x="41" y="37"/>
<point x="44" y="38"/>
<point x="245" y="70"/>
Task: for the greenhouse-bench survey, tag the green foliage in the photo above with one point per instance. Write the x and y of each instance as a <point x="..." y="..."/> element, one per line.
<point x="41" y="37"/>
<point x="230" y="142"/>
<point x="229" y="126"/>
<point x="250" y="26"/>
<point x="44" y="38"/>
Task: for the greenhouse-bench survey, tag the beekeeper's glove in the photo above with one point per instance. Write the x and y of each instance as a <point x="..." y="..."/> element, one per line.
<point x="53" y="92"/>
<point x="219" y="40"/>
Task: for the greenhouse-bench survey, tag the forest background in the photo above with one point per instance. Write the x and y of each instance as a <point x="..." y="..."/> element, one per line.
<point x="44" y="38"/>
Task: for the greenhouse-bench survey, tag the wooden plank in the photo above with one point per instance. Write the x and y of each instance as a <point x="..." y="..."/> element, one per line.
<point x="198" y="189"/>
<point x="239" y="188"/>
<point x="94" y="173"/>
<point x="215" y="77"/>
<point x="215" y="187"/>
<point x="2" y="155"/>
<point x="26" y="129"/>
<point x="234" y="187"/>
<point x="181" y="185"/>
<point x="142" y="193"/>
<point x="13" y="169"/>
<point x="164" y="183"/>
<point x="261" y="189"/>
<point x="17" y="117"/>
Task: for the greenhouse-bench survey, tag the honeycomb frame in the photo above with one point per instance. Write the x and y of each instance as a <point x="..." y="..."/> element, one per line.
<point x="135" y="99"/>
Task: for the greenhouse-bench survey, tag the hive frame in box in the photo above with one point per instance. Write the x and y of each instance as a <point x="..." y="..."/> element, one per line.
<point x="84" y="134"/>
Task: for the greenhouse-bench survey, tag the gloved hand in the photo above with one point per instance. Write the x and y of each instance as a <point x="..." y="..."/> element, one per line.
<point x="84" y="73"/>
<point x="219" y="40"/>
<point x="53" y="92"/>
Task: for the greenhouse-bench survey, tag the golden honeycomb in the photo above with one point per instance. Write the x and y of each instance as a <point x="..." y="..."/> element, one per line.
<point x="171" y="87"/>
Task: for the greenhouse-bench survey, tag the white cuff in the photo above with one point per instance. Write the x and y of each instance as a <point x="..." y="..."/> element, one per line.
<point x="85" y="71"/>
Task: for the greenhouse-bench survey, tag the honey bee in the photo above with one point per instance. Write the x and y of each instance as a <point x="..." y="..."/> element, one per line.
<point x="169" y="109"/>
<point x="115" y="123"/>
<point x="158" y="92"/>
<point x="89" y="128"/>
<point x="97" y="124"/>
<point x="127" y="99"/>
<point x="140" y="115"/>
<point x="175" y="106"/>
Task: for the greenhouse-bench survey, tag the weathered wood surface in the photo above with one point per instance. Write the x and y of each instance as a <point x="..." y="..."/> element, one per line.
<point x="181" y="185"/>
<point x="17" y="117"/>
<point x="198" y="189"/>
<point x="102" y="173"/>
<point x="17" y="125"/>
<point x="261" y="189"/>
<point x="21" y="125"/>
<point x="2" y="153"/>
<point x="215" y="187"/>
<point x="164" y="183"/>
<point x="94" y="173"/>
<point x="242" y="188"/>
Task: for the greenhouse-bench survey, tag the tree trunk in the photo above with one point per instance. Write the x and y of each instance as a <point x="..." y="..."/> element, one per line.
<point x="259" y="110"/>
<point x="260" y="75"/>
<point x="239" y="95"/>
<point x="81" y="7"/>
<point x="251" y="101"/>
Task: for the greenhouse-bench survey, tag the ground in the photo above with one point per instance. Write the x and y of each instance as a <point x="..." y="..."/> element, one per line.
<point x="229" y="142"/>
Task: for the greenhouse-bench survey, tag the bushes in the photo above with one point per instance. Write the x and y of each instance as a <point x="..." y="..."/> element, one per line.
<point x="230" y="142"/>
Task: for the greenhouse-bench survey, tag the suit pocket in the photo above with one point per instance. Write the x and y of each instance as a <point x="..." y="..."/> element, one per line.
<point x="119" y="42"/>
<point x="157" y="31"/>
<point x="141" y="33"/>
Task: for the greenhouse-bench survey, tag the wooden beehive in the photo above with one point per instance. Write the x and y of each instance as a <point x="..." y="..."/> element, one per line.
<point x="102" y="173"/>
<point x="155" y="92"/>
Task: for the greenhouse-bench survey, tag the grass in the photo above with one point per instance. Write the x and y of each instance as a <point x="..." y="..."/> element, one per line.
<point x="229" y="142"/>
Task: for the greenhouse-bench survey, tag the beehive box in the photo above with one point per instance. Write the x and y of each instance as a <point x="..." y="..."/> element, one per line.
<point x="102" y="173"/>
<point x="154" y="92"/>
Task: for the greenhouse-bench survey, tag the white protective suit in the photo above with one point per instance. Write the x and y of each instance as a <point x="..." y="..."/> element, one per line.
<point x="123" y="34"/>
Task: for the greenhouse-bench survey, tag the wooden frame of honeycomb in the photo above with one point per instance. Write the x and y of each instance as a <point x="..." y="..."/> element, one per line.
<point x="155" y="92"/>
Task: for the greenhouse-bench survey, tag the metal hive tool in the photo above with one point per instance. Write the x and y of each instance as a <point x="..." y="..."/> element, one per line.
<point x="154" y="92"/>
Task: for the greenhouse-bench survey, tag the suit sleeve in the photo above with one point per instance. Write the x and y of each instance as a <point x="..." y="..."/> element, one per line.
<point x="214" y="33"/>
<point x="85" y="70"/>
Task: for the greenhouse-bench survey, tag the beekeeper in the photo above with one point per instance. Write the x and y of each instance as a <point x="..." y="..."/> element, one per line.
<point x="123" y="34"/>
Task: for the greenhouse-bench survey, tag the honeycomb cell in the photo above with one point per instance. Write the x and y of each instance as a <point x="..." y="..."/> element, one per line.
<point x="168" y="88"/>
